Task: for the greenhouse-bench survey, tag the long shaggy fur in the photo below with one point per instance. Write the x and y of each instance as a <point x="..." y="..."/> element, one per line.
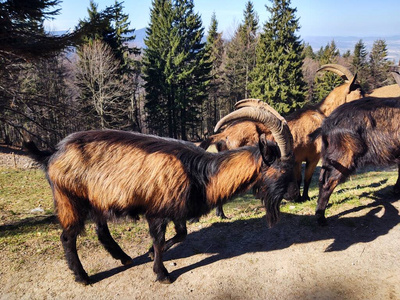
<point x="114" y="173"/>
<point x="302" y="123"/>
<point x="364" y="132"/>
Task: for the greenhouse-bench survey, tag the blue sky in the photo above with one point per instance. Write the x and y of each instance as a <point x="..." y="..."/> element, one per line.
<point x="317" y="17"/>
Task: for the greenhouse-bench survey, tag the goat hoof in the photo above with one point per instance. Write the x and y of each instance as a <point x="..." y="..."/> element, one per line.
<point x="194" y="220"/>
<point x="127" y="261"/>
<point x="299" y="200"/>
<point x="164" y="279"/>
<point x="84" y="279"/>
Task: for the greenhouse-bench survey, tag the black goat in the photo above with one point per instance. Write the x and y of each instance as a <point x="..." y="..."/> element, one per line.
<point x="103" y="173"/>
<point x="359" y="133"/>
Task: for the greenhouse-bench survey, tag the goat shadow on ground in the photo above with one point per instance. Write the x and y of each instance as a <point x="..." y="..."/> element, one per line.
<point x="230" y="239"/>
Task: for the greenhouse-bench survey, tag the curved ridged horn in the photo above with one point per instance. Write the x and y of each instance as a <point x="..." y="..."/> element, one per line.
<point x="339" y="70"/>
<point x="259" y="111"/>
<point x="257" y="103"/>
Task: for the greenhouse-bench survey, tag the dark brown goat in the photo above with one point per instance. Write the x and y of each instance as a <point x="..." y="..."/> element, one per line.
<point x="364" y="132"/>
<point x="103" y="173"/>
<point x="301" y="124"/>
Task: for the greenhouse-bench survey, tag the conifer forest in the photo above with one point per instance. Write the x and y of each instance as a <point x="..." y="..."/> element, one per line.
<point x="179" y="85"/>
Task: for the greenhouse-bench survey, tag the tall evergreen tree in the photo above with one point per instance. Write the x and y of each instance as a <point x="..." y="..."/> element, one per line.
<point x="378" y="65"/>
<point x="101" y="29"/>
<point x="277" y="77"/>
<point x="215" y="49"/>
<point x="240" y="56"/>
<point x="176" y="56"/>
<point x="159" y="102"/>
<point x="326" y="81"/>
<point x="193" y="65"/>
<point x="112" y="27"/>
<point x="248" y="33"/>
<point x="360" y="64"/>
<point x="123" y="35"/>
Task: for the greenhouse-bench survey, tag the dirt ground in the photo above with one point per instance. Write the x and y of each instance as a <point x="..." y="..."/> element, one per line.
<point x="357" y="256"/>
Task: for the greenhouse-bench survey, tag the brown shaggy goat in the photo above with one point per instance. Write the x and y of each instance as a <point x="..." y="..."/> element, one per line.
<point x="364" y="132"/>
<point x="301" y="124"/>
<point x="117" y="173"/>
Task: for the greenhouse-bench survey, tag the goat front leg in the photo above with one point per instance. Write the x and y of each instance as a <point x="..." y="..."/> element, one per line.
<point x="157" y="227"/>
<point x="327" y="183"/>
<point x="181" y="233"/>
<point x="298" y="177"/>
<point x="308" y="173"/>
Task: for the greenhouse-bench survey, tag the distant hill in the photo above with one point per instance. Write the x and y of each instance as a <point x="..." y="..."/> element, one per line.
<point x="343" y="43"/>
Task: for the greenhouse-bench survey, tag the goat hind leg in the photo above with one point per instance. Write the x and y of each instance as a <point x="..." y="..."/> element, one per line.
<point x="181" y="233"/>
<point x="103" y="233"/>
<point x="157" y="228"/>
<point x="219" y="212"/>
<point x="68" y="240"/>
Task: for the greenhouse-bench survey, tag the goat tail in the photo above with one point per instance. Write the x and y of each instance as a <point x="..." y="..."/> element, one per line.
<point x="315" y="134"/>
<point x="40" y="156"/>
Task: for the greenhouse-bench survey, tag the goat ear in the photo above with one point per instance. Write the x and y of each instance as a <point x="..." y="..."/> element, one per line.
<point x="353" y="84"/>
<point x="269" y="151"/>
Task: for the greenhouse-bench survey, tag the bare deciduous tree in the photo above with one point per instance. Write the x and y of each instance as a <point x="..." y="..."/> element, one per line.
<point x="98" y="80"/>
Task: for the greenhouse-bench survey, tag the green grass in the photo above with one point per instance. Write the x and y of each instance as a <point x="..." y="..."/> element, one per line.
<point x="23" y="230"/>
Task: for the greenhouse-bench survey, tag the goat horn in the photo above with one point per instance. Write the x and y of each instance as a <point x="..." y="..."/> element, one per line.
<point x="258" y="103"/>
<point x="269" y="117"/>
<point x="396" y="76"/>
<point x="337" y="69"/>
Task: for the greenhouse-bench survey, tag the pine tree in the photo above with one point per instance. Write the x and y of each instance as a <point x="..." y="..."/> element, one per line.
<point x="277" y="77"/>
<point x="122" y="35"/>
<point x="327" y="81"/>
<point x="240" y="57"/>
<point x="378" y="65"/>
<point x="308" y="51"/>
<point x="22" y="34"/>
<point x="215" y="49"/>
<point x="176" y="68"/>
<point x="101" y="26"/>
<point x="360" y="64"/>
<point x="248" y="33"/>
<point x="193" y="65"/>
<point x="159" y="105"/>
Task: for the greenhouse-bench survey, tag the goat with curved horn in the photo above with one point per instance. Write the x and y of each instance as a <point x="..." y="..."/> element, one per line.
<point x="106" y="173"/>
<point x="259" y="111"/>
